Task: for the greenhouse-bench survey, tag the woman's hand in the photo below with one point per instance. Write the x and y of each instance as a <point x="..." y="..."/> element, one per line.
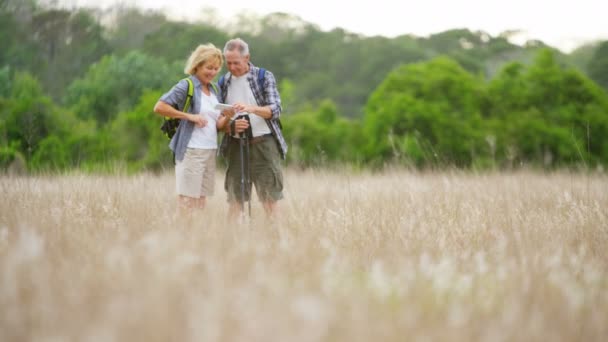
<point x="198" y="120"/>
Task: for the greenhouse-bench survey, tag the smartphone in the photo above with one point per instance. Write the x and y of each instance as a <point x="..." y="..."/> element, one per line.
<point x="223" y="106"/>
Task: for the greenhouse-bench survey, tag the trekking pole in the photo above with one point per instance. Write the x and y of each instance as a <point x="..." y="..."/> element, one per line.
<point x="249" y="187"/>
<point x="242" y="143"/>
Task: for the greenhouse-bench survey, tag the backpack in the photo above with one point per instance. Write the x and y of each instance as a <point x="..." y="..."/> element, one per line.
<point x="261" y="75"/>
<point x="169" y="126"/>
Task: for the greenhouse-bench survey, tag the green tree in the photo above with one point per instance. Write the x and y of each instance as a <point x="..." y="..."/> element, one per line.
<point x="598" y="65"/>
<point x="582" y="55"/>
<point x="116" y="83"/>
<point x="320" y="138"/>
<point x="28" y="114"/>
<point x="174" y="41"/>
<point x="426" y="113"/>
<point x="68" y="41"/>
<point x="547" y="114"/>
<point x="19" y="49"/>
<point x="339" y="65"/>
<point x="51" y="154"/>
<point x="131" y="27"/>
<point x="137" y="138"/>
<point x="5" y="81"/>
<point x="29" y="118"/>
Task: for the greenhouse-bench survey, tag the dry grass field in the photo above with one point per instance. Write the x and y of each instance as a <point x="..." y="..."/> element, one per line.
<point x="356" y="256"/>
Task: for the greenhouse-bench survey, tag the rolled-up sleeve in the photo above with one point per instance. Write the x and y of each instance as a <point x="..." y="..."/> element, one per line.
<point x="273" y="99"/>
<point x="177" y="95"/>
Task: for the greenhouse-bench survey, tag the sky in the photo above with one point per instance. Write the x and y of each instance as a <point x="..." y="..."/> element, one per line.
<point x="564" y="24"/>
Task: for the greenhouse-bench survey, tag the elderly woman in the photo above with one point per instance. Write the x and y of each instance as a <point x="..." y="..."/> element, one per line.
<point x="195" y="141"/>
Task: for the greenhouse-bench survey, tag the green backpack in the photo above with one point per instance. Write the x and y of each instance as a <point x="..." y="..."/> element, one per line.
<point x="169" y="126"/>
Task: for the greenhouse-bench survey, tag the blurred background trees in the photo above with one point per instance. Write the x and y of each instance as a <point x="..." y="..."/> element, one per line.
<point x="77" y="87"/>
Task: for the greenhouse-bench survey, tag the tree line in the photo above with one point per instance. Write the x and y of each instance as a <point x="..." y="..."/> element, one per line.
<point x="77" y="87"/>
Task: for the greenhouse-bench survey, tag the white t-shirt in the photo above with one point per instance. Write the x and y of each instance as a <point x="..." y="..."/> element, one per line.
<point x="206" y="137"/>
<point x="241" y="92"/>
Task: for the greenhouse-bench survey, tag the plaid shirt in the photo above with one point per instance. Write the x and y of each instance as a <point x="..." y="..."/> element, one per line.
<point x="269" y="96"/>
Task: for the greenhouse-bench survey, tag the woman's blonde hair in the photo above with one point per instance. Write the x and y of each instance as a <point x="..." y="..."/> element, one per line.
<point x="201" y="55"/>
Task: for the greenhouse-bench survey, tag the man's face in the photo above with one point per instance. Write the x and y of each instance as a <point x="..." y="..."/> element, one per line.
<point x="237" y="65"/>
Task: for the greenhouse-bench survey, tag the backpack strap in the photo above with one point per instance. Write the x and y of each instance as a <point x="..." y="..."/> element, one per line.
<point x="189" y="96"/>
<point x="220" y="82"/>
<point x="214" y="88"/>
<point x="261" y="75"/>
<point x="170" y="125"/>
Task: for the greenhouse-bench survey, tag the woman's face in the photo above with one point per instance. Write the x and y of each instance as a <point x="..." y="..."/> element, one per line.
<point x="206" y="72"/>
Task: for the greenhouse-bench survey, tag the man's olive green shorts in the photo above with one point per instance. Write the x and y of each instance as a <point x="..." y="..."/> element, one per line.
<point x="264" y="169"/>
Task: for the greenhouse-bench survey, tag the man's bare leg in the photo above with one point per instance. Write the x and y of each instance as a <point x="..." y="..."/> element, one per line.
<point x="271" y="209"/>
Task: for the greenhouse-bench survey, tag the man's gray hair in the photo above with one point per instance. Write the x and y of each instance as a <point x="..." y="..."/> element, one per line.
<point x="237" y="44"/>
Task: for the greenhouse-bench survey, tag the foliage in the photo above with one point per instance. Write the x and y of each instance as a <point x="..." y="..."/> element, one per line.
<point x="5" y="81"/>
<point x="116" y="83"/>
<point x="131" y="27"/>
<point x="436" y="113"/>
<point x="549" y="114"/>
<point x="78" y="94"/>
<point x="581" y="56"/>
<point x="174" y="41"/>
<point x="598" y="65"/>
<point x="18" y="47"/>
<point x="68" y="43"/>
<point x="56" y="45"/>
<point x="30" y="115"/>
<point x="425" y="113"/>
<point x="320" y="138"/>
<point x="137" y="139"/>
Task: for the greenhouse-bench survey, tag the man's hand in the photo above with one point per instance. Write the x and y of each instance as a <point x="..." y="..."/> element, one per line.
<point x="263" y="112"/>
<point x="240" y="125"/>
<point x="229" y="113"/>
<point x="240" y="108"/>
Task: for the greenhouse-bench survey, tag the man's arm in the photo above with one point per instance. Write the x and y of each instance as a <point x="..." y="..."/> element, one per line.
<point x="264" y="112"/>
<point x="272" y="108"/>
<point x="271" y="96"/>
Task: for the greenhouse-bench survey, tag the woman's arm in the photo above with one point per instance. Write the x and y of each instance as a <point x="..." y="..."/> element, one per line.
<point x="164" y="109"/>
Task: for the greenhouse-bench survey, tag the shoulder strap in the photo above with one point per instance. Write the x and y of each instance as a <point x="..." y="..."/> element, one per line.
<point x="189" y="96"/>
<point x="214" y="87"/>
<point x="220" y="82"/>
<point x="261" y="75"/>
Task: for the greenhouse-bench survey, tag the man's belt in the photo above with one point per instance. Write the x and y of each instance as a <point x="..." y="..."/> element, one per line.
<point x="254" y="140"/>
